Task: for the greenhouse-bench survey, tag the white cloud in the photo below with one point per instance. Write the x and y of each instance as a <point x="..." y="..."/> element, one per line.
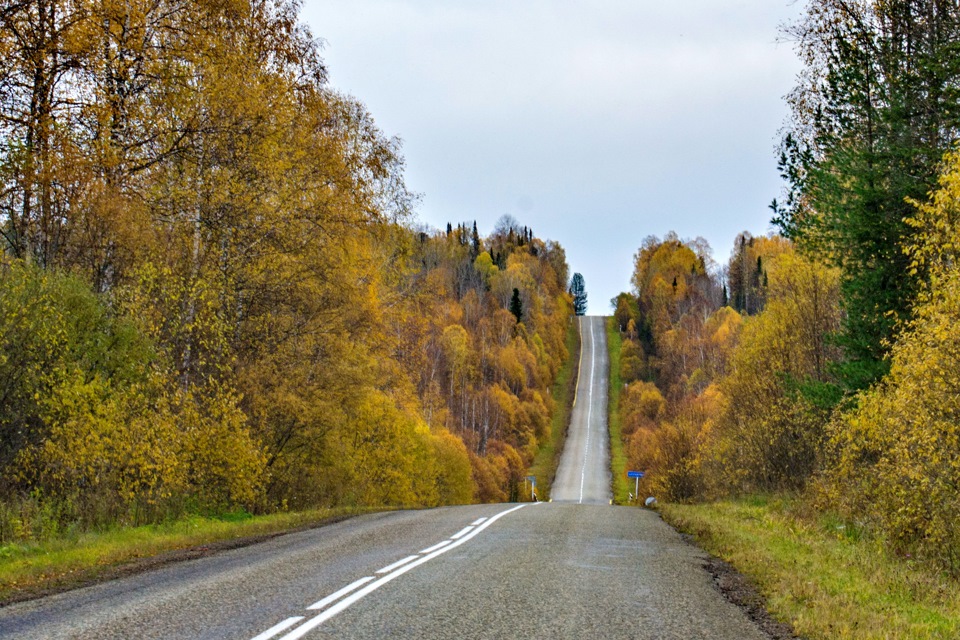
<point x="598" y="122"/>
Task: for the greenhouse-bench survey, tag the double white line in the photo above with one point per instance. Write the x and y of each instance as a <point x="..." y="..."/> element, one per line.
<point x="365" y="586"/>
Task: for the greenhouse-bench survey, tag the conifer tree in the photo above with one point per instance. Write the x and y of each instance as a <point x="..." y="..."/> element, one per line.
<point x="475" y="245"/>
<point x="579" y="293"/>
<point x="875" y="111"/>
<point x="516" y="305"/>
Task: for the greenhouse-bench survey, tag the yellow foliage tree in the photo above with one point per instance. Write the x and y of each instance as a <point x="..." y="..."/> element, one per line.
<point x="770" y="434"/>
<point x="895" y="462"/>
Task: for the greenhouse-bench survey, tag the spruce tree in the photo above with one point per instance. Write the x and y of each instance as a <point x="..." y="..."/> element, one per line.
<point x="579" y="293"/>
<point x="870" y="124"/>
<point x="475" y="245"/>
<point x="516" y="305"/>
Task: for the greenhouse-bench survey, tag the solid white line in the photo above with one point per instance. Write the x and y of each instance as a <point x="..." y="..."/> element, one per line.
<point x="395" y="565"/>
<point x="461" y="533"/>
<point x="333" y="597"/>
<point x="313" y="623"/>
<point x="277" y="628"/>
<point x="478" y="521"/>
<point x="586" y="451"/>
<point x="435" y="547"/>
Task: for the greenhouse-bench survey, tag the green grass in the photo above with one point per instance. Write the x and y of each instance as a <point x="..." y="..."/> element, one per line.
<point x="545" y="463"/>
<point x="824" y="579"/>
<point x="33" y="568"/>
<point x="618" y="459"/>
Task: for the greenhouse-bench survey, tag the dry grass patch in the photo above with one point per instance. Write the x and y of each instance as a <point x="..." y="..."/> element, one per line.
<point x="820" y="576"/>
<point x="28" y="570"/>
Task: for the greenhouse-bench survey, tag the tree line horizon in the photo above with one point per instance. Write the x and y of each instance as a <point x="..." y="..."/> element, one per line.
<point x="824" y="360"/>
<point x="213" y="295"/>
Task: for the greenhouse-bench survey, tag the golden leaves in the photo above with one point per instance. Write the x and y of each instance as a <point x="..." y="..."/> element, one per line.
<point x="896" y="455"/>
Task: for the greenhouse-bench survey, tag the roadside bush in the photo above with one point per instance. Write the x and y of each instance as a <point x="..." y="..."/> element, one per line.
<point x="895" y="461"/>
<point x="55" y="335"/>
<point x="674" y="452"/>
<point x="454" y="482"/>
<point x="633" y="362"/>
<point x="93" y="431"/>
<point x="642" y="406"/>
<point x="769" y="435"/>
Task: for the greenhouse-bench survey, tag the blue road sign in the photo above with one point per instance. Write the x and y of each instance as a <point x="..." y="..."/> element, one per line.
<point x="634" y="474"/>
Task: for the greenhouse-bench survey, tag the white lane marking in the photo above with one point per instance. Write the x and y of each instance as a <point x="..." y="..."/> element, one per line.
<point x="477" y="522"/>
<point x="315" y="622"/>
<point x="435" y="547"/>
<point x="398" y="563"/>
<point x="333" y="597"/>
<point x="461" y="533"/>
<point x="277" y="628"/>
<point x="586" y="451"/>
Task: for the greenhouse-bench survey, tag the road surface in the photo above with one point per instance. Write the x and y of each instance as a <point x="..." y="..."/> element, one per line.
<point x="583" y="476"/>
<point x="573" y="568"/>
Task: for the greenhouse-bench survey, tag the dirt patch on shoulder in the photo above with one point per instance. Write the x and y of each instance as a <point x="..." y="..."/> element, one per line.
<point x="738" y="590"/>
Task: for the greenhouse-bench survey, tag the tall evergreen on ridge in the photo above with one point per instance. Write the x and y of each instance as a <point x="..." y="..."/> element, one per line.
<point x="872" y="118"/>
<point x="579" y="293"/>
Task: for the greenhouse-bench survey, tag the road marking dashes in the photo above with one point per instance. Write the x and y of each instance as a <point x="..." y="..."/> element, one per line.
<point x="461" y="533"/>
<point x="353" y="592"/>
<point x="279" y="628"/>
<point x="396" y="565"/>
<point x="333" y="597"/>
<point x="436" y="546"/>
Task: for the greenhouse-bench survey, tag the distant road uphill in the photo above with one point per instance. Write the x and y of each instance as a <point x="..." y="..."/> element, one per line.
<point x="583" y="476"/>
<point x="573" y="568"/>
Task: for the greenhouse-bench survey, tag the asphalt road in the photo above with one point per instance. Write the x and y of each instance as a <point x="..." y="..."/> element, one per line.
<point x="576" y="568"/>
<point x="583" y="475"/>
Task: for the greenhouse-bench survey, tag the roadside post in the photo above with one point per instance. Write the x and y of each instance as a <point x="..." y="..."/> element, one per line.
<point x="533" y="487"/>
<point x="636" y="475"/>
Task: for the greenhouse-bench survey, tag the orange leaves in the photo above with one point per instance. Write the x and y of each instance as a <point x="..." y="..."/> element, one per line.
<point x="486" y="376"/>
<point x="769" y="435"/>
<point x="732" y="415"/>
<point x="286" y="339"/>
<point x="642" y="406"/>
<point x="454" y="483"/>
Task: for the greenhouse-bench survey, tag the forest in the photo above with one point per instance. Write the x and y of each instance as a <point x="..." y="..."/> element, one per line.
<point x="213" y="292"/>
<point x="823" y="360"/>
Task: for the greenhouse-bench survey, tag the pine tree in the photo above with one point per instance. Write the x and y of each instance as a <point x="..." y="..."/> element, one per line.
<point x="579" y="293"/>
<point x="516" y="305"/>
<point x="475" y="245"/>
<point x="871" y="121"/>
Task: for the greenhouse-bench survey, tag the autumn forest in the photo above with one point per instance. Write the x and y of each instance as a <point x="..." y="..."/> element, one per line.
<point x="213" y="296"/>
<point x="822" y="360"/>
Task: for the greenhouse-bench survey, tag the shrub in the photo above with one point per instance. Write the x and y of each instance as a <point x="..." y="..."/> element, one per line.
<point x="895" y="460"/>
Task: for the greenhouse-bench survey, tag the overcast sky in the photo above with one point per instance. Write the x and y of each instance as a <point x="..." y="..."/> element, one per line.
<point x="595" y="123"/>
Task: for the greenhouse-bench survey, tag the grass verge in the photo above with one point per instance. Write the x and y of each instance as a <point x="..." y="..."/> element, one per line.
<point x="618" y="459"/>
<point x="34" y="569"/>
<point x="544" y="466"/>
<point x="823" y="579"/>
